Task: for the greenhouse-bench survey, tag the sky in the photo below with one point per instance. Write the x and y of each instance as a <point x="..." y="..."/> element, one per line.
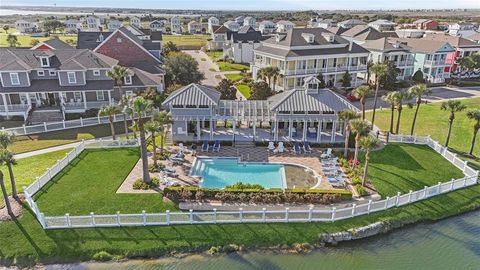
<point x="257" y="5"/>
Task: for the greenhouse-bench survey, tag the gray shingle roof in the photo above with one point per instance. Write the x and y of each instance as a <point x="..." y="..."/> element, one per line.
<point x="90" y="40"/>
<point x="299" y="100"/>
<point x="322" y="51"/>
<point x="54" y="86"/>
<point x="294" y="38"/>
<point x="57" y="44"/>
<point x="194" y="94"/>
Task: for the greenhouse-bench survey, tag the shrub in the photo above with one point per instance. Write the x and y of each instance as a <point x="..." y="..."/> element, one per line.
<point x="139" y="184"/>
<point x="356" y="180"/>
<point x="102" y="256"/>
<point x="231" y="248"/>
<point x="214" y="250"/>
<point x="362" y="191"/>
<point x="91" y="112"/>
<point x="242" y="186"/>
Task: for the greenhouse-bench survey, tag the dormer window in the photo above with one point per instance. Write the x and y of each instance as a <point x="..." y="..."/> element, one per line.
<point x="14" y="79"/>
<point x="72" y="78"/>
<point x="128" y="80"/>
<point x="44" y="62"/>
<point x="309" y="38"/>
<point x="52" y="73"/>
<point x="40" y="73"/>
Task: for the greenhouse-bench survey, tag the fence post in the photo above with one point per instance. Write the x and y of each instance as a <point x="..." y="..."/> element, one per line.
<point x="369" y="206"/>
<point x="354" y="208"/>
<point x="24" y="129"/>
<point x="264" y="218"/>
<point x="63" y="123"/>
<point x="334" y="210"/>
<point x="98" y="118"/>
<point x="45" y="126"/>
<point x="81" y="121"/>
<point x="67" y="217"/>
<point x="167" y="216"/>
<point x="38" y="183"/>
<point x="41" y="219"/>
<point x="386" y="202"/>
<point x="439" y="184"/>
<point x="286" y="214"/>
<point x="191" y="216"/>
<point x="144" y="217"/>
<point x="310" y="213"/>
<point x="92" y="217"/>
<point x="215" y="215"/>
<point x="49" y="174"/>
<point x="118" y="218"/>
<point x="464" y="181"/>
<point x="241" y="214"/>
<point x="425" y="191"/>
<point x="397" y="200"/>
<point x="410" y="196"/>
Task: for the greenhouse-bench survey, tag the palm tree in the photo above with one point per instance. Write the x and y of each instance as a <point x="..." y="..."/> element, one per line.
<point x="164" y="119"/>
<point x="153" y="127"/>
<point x="367" y="144"/>
<point x="347" y="116"/>
<point x="6" y="139"/>
<point x="474" y="115"/>
<point x="118" y="74"/>
<point x="400" y="97"/>
<point x="361" y="94"/>
<point x="269" y="73"/>
<point x="7" y="158"/>
<point x="452" y="106"/>
<point x="464" y="63"/>
<point x="418" y="91"/>
<point x="276" y="76"/>
<point x="390" y="99"/>
<point x="110" y="111"/>
<point x="360" y="128"/>
<point x="140" y="106"/>
<point x="378" y="70"/>
<point x="5" y="195"/>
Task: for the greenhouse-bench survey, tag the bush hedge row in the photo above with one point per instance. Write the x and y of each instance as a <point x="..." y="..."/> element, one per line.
<point x="317" y="196"/>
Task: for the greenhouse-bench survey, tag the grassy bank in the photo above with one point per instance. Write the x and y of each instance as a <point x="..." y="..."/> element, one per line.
<point x="25" y="40"/>
<point x="186" y="40"/>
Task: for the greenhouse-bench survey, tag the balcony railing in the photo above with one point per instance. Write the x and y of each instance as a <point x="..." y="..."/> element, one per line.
<point x="339" y="68"/>
<point x="80" y="105"/>
<point x="443" y="62"/>
<point x="14" y="108"/>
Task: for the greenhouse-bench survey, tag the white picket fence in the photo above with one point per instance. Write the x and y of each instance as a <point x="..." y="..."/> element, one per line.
<point x="62" y="125"/>
<point x="241" y="216"/>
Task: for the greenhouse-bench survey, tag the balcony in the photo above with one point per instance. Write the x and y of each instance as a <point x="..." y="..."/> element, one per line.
<point x="14" y="108"/>
<point x="405" y="63"/>
<point x="339" y="68"/>
<point x="81" y="106"/>
<point x="441" y="62"/>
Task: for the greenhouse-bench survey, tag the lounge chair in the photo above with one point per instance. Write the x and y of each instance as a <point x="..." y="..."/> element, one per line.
<point x="169" y="172"/>
<point x="169" y="182"/>
<point x="296" y="149"/>
<point x="205" y="146"/>
<point x="271" y="146"/>
<point x="216" y="146"/>
<point x="327" y="154"/>
<point x="181" y="147"/>
<point x="307" y="148"/>
<point x="280" y="148"/>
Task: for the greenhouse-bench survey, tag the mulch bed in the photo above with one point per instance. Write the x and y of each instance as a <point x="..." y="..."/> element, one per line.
<point x="16" y="209"/>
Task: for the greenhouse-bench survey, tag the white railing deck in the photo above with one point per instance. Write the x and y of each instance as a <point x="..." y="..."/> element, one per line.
<point x="263" y="216"/>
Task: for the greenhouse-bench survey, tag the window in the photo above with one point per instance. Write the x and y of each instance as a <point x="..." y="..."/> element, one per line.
<point x="129" y="93"/>
<point x="52" y="73"/>
<point x="119" y="40"/>
<point x="77" y="96"/>
<point x="128" y="80"/>
<point x="100" y="95"/>
<point x="44" y="62"/>
<point x="40" y="73"/>
<point x="15" y="80"/>
<point x="96" y="72"/>
<point x="71" y="77"/>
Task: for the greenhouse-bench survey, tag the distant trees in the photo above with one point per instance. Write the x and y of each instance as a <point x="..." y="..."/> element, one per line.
<point x="6" y="28"/>
<point x="170" y="47"/>
<point x="52" y="25"/>
<point x="34" y="42"/>
<point x="226" y="89"/>
<point x="12" y="40"/>
<point x="181" y="68"/>
<point x="260" y="91"/>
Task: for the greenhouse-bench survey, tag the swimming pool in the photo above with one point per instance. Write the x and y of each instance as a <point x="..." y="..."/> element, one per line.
<point x="222" y="172"/>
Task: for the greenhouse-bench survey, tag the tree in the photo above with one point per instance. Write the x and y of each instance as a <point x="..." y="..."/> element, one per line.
<point x="154" y="96"/>
<point x="400" y="97"/>
<point x="226" y="89"/>
<point x="418" y="77"/>
<point x="34" y="42"/>
<point x="361" y="94"/>
<point x="153" y="127"/>
<point x="6" y="28"/>
<point x="367" y="144"/>
<point x="170" y="47"/>
<point x="12" y="40"/>
<point x="346" y="80"/>
<point x="347" y="116"/>
<point x="390" y="99"/>
<point x="6" y="157"/>
<point x="110" y="111"/>
<point x="181" y="68"/>
<point x="260" y="91"/>
<point x="52" y="25"/>
<point x="164" y="119"/>
<point x="361" y="128"/>
<point x="389" y="78"/>
<point x="5" y="195"/>
<point x="269" y="74"/>
<point x="475" y="116"/>
<point x="140" y="106"/>
<point x="369" y="65"/>
<point x="321" y="81"/>
<point x="464" y="63"/>
<point x="6" y="139"/>
<point x="418" y="91"/>
<point x="118" y="74"/>
<point x="451" y="106"/>
<point x="378" y="70"/>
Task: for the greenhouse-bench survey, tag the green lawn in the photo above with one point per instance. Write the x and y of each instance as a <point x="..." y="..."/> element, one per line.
<point x="404" y="167"/>
<point x="226" y="66"/>
<point x="50" y="139"/>
<point x="215" y="55"/>
<point x="89" y="184"/>
<point x="244" y="89"/>
<point x="10" y="123"/>
<point x="234" y="77"/>
<point x="433" y="121"/>
<point x="186" y="40"/>
<point x="25" y="40"/>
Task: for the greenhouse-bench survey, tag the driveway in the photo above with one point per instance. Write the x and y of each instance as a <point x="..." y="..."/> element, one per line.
<point x="438" y="94"/>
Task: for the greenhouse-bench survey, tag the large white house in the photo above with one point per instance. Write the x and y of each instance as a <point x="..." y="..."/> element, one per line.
<point x="92" y="23"/>
<point x="72" y="25"/>
<point x="239" y="45"/>
<point x="176" y="25"/>
<point x="232" y="25"/>
<point x="212" y="21"/>
<point x="304" y="52"/>
<point x="24" y="26"/>
<point x="382" y="25"/>
<point x="250" y="21"/>
<point x="194" y="27"/>
<point x="114" y="25"/>
<point x="267" y="27"/>
<point x="284" y="26"/>
<point x="157" y="25"/>
<point x="135" y="21"/>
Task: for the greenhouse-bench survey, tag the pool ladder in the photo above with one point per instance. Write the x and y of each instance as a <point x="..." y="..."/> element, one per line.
<point x="242" y="159"/>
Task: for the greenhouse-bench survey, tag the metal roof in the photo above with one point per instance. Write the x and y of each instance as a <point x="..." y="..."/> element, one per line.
<point x="194" y="94"/>
<point x="299" y="100"/>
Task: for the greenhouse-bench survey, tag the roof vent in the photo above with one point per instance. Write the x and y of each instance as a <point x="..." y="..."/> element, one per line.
<point x="329" y="36"/>
<point x="309" y="38"/>
<point x="279" y="37"/>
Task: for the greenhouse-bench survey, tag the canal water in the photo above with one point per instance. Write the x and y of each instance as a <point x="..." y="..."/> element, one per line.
<point x="448" y="244"/>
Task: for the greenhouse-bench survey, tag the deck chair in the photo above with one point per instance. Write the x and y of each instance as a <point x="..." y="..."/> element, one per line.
<point x="205" y="146"/>
<point x="181" y="147"/>
<point x="216" y="146"/>
<point x="296" y="149"/>
<point x="271" y="146"/>
<point x="307" y="148"/>
<point x="280" y="148"/>
<point x="327" y="154"/>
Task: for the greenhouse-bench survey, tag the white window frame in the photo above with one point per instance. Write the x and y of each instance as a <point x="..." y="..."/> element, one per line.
<point x="74" y="77"/>
<point x="96" y="72"/>
<point x="129" y="81"/>
<point x="41" y="73"/>
<point x="129" y="93"/>
<point x="52" y="73"/>
<point x="47" y="64"/>
<point x="12" y="75"/>
<point x="77" y="96"/>
<point x="100" y="95"/>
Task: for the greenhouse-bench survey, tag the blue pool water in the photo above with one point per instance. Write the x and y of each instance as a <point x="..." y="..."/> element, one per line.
<point x="222" y="172"/>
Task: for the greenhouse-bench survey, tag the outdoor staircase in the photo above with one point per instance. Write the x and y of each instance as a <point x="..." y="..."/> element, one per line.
<point x="41" y="116"/>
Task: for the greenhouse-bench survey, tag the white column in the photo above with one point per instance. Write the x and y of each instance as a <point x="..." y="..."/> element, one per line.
<point x="211" y="129"/>
<point x="29" y="101"/>
<point x="304" y="134"/>
<point x="199" y="131"/>
<point x="334" y="127"/>
<point x="109" y="97"/>
<point x="234" y="127"/>
<point x="254" y="128"/>
<point x="275" y="135"/>
<point x="290" y="126"/>
<point x="84" y="100"/>
<point x="4" y="98"/>
<point x="319" y="131"/>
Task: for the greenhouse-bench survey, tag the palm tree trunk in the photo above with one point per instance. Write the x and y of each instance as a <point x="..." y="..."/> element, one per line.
<point x="473" y="140"/>
<point x="375" y="101"/>
<point x="112" y="127"/>
<point x="363" y="110"/>
<point x="12" y="181"/>
<point x="398" y="120"/>
<point x="274" y="83"/>
<point x="5" y="195"/>
<point x="125" y="124"/>
<point x="355" y="157"/>
<point x="162" y="135"/>
<point x="414" y="118"/>
<point x="347" y="138"/>
<point x="365" y="170"/>
<point x="450" y="124"/>
<point x="154" y="144"/>
<point x="392" y="116"/>
<point x="143" y="146"/>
